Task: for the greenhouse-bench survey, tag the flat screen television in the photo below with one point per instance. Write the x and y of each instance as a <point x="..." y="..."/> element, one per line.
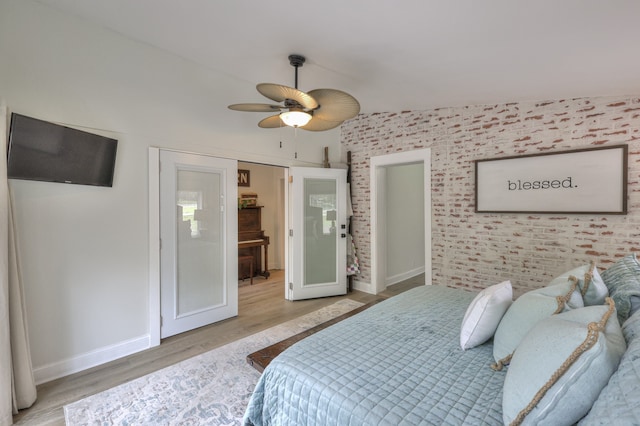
<point x="40" y="150"/>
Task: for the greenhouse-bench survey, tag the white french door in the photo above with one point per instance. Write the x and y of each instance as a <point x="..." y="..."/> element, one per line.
<point x="199" y="240"/>
<point x="317" y="246"/>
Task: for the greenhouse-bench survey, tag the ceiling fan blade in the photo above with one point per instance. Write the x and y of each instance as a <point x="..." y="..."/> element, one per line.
<point x="256" y="107"/>
<point x="279" y="93"/>
<point x="272" y="122"/>
<point x="335" y="105"/>
<point x="318" y="124"/>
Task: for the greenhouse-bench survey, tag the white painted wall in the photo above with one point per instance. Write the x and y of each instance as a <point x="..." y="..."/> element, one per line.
<point x="84" y="250"/>
<point x="404" y="222"/>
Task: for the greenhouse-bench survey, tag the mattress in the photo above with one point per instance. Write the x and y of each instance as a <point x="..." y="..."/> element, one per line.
<point x="396" y="363"/>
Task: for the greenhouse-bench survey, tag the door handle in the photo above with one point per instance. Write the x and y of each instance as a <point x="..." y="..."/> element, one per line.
<point x="343" y="235"/>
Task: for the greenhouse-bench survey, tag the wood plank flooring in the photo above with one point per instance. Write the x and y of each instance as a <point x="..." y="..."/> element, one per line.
<point x="261" y="306"/>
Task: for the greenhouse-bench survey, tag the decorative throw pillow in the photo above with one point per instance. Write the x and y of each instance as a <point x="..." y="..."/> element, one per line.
<point x="623" y="281"/>
<point x="484" y="313"/>
<point x="576" y="272"/>
<point x="592" y="287"/>
<point x="527" y="310"/>
<point x="561" y="366"/>
<point x="594" y="292"/>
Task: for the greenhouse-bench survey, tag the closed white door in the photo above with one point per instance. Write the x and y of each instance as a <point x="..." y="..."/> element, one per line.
<point x="318" y="233"/>
<point x="199" y="240"/>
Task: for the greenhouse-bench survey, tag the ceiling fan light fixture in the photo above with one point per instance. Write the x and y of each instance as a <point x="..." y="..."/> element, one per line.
<point x="295" y="118"/>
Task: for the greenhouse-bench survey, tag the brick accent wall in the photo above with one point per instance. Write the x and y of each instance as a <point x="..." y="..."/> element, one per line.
<point x="472" y="250"/>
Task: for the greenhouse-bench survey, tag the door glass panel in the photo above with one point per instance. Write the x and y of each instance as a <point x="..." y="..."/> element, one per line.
<point x="200" y="280"/>
<point x="320" y="231"/>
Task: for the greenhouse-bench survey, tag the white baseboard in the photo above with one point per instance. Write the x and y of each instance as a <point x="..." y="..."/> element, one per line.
<point x="404" y="276"/>
<point x="63" y="368"/>
<point x="363" y="286"/>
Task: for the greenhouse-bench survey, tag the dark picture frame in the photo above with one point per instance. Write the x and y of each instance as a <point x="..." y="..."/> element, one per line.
<point x="581" y="181"/>
<point x="244" y="177"/>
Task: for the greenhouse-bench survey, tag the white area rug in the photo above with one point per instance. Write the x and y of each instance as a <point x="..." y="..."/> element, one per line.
<point x="212" y="388"/>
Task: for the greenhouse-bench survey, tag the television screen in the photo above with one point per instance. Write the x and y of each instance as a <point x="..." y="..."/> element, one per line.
<point x="40" y="150"/>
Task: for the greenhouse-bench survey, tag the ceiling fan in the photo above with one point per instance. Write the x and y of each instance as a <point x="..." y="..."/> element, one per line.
<point x="317" y="110"/>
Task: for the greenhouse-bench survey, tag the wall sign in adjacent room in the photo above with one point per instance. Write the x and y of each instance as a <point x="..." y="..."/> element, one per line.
<point x="586" y="181"/>
<point x="244" y="177"/>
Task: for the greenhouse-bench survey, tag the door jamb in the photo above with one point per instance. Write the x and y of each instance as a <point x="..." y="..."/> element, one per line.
<point x="154" y="246"/>
<point x="287" y="227"/>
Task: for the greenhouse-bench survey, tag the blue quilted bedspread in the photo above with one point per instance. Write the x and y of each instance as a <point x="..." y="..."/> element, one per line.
<point x="397" y="363"/>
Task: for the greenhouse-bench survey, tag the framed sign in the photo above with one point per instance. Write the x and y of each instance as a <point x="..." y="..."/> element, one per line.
<point x="588" y="181"/>
<point x="244" y="177"/>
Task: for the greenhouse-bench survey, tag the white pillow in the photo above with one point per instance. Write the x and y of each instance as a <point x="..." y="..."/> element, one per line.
<point x="484" y="314"/>
<point x="559" y="369"/>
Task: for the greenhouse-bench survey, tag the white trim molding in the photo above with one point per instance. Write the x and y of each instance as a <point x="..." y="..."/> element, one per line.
<point x="154" y="246"/>
<point x="90" y="359"/>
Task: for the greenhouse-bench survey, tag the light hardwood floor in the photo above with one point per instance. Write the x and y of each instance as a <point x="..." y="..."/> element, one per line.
<point x="261" y="306"/>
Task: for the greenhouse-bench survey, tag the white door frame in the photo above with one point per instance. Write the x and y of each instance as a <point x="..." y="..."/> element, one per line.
<point x="154" y="246"/>
<point x="377" y="180"/>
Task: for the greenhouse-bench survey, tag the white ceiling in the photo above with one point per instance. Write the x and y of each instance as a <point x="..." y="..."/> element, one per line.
<point x="395" y="55"/>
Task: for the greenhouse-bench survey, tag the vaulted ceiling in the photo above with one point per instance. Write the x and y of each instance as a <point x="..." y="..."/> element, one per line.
<point x="395" y="55"/>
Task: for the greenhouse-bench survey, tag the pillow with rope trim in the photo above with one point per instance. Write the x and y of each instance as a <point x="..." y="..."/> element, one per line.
<point x="527" y="310"/>
<point x="561" y="366"/>
<point x="591" y="284"/>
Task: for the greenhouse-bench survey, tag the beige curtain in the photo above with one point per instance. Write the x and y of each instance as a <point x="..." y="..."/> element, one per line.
<point x="17" y="386"/>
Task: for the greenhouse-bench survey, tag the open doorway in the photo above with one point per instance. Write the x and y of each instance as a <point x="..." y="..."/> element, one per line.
<point x="404" y="213"/>
<point x="314" y="243"/>
<point x="261" y="223"/>
<point x="400" y="217"/>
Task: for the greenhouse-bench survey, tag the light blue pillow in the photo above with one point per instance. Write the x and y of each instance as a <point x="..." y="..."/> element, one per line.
<point x="561" y="366"/>
<point x="623" y="281"/>
<point x="576" y="272"/>
<point x="527" y="310"/>
<point x="592" y="287"/>
<point x="594" y="292"/>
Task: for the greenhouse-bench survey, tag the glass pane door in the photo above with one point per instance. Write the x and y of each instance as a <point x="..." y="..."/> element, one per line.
<point x="199" y="235"/>
<point x="200" y="283"/>
<point x="320" y="231"/>
<point x="317" y="238"/>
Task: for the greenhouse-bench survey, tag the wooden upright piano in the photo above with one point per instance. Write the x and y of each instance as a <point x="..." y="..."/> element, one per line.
<point x="252" y="241"/>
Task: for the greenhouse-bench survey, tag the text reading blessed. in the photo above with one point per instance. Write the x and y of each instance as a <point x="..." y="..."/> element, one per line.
<point x="523" y="185"/>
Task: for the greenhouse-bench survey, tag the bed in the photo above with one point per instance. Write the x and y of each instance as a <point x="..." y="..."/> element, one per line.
<point x="400" y="363"/>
